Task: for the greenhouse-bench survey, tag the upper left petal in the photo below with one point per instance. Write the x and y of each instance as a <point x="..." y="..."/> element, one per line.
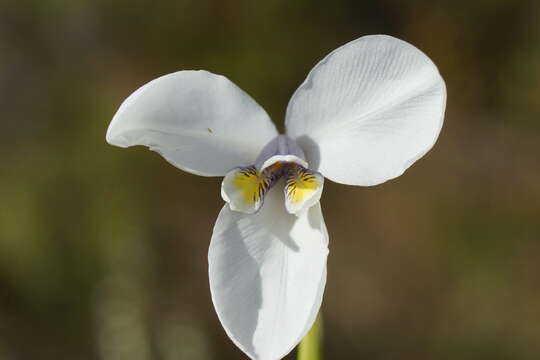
<point x="198" y="121"/>
<point x="267" y="275"/>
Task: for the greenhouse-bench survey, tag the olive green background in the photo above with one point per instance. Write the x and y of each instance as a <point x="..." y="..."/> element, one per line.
<point x="103" y="250"/>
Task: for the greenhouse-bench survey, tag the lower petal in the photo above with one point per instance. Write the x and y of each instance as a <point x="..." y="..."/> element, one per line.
<point x="267" y="275"/>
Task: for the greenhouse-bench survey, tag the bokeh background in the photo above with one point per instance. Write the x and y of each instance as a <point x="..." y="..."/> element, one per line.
<point x="103" y="250"/>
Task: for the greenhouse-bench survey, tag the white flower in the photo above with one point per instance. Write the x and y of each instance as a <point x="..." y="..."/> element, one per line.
<point x="364" y="114"/>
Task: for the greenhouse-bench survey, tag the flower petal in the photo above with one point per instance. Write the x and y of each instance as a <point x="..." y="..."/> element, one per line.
<point x="368" y="110"/>
<point x="200" y="122"/>
<point x="244" y="188"/>
<point x="267" y="275"/>
<point x="303" y="189"/>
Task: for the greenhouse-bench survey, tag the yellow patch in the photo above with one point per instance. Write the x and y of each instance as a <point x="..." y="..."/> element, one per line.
<point x="300" y="185"/>
<point x="251" y="184"/>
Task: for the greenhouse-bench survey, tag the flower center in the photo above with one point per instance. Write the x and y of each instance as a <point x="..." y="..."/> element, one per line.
<point x="244" y="188"/>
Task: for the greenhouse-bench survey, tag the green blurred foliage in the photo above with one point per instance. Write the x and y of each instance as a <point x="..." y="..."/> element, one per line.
<point x="103" y="250"/>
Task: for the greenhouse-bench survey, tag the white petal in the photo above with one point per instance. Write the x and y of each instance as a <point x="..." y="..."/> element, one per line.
<point x="200" y="122"/>
<point x="368" y="110"/>
<point x="267" y="275"/>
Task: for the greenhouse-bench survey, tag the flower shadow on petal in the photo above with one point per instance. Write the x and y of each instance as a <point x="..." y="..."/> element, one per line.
<point x="239" y="299"/>
<point x="312" y="151"/>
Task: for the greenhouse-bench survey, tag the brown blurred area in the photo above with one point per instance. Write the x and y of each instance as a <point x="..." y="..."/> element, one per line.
<point x="103" y="250"/>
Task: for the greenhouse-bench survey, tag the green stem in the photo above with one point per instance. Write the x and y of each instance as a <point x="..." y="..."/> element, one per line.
<point x="310" y="347"/>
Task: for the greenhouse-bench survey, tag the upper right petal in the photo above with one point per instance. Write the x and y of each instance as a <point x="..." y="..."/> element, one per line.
<point x="368" y="110"/>
<point x="198" y="121"/>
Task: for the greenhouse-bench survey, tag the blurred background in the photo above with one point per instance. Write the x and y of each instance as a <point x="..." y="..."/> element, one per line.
<point x="103" y="250"/>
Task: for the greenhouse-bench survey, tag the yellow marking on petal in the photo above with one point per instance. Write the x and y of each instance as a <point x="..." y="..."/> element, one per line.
<point x="301" y="184"/>
<point x="251" y="184"/>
